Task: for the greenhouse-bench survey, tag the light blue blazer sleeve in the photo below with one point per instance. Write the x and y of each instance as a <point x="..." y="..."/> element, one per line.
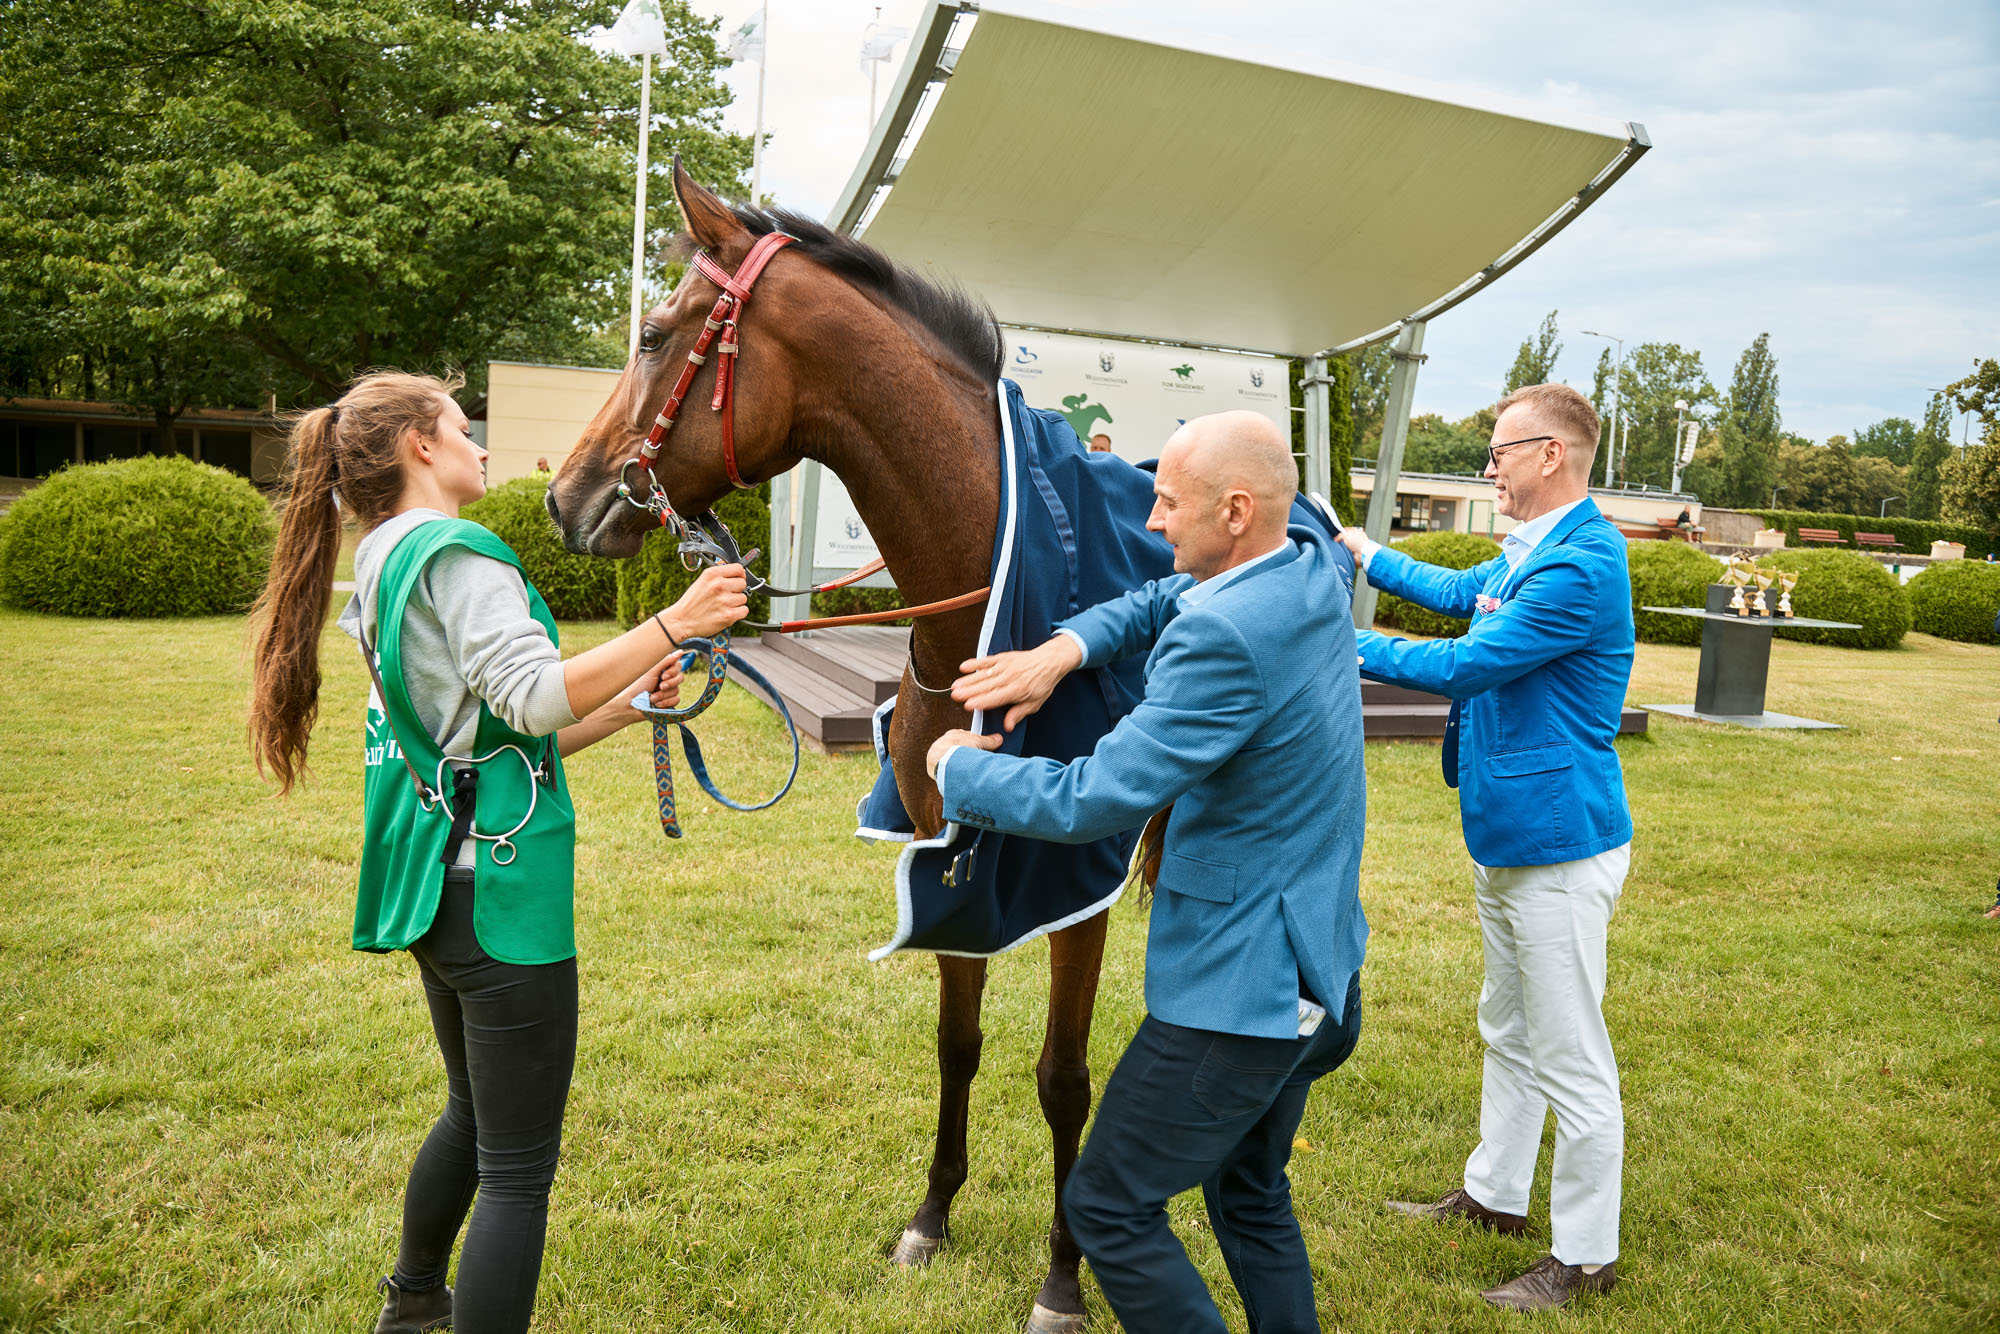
<point x="1205" y="695"/>
<point x="1553" y="612"/>
<point x="1450" y="592"/>
<point x="1128" y="624"/>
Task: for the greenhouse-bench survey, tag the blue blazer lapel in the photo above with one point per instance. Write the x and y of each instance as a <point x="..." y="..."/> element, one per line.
<point x="1585" y="511"/>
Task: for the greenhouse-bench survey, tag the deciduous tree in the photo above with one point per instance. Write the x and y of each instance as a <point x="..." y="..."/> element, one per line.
<point x="1535" y="363"/>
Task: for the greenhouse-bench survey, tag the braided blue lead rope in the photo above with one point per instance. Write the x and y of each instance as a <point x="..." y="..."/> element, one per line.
<point x="716" y="650"/>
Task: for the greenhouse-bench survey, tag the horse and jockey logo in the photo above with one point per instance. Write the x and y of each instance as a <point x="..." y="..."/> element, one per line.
<point x="1256" y="379"/>
<point x="1082" y="414"/>
<point x="1106" y="361"/>
<point x="1185" y="370"/>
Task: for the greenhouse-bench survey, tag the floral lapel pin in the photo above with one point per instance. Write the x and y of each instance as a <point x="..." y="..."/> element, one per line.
<point x="1487" y="602"/>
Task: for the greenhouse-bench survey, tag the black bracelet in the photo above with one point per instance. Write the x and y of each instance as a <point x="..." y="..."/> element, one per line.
<point x="663" y="629"/>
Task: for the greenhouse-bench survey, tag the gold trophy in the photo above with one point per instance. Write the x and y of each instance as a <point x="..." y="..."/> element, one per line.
<point x="1761" y="604"/>
<point x="1786" y="583"/>
<point x="1736" y="579"/>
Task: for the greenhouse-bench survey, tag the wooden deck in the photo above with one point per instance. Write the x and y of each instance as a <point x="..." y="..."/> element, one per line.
<point x="832" y="681"/>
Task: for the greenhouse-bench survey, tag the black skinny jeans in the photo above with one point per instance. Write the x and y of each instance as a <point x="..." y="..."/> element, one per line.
<point x="508" y="1034"/>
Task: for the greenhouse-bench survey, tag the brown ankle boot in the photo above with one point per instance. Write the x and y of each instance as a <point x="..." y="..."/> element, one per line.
<point x="405" y="1312"/>
<point x="1550" y="1283"/>
<point x="1458" y="1204"/>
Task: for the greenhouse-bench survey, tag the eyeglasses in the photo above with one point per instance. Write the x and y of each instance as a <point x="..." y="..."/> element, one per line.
<point x="1493" y="451"/>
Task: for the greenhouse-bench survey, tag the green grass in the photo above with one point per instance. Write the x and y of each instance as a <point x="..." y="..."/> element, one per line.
<point x="208" y="1102"/>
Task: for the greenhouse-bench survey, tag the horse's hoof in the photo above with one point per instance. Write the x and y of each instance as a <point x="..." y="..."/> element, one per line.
<point x="1045" y="1321"/>
<point x="916" y="1250"/>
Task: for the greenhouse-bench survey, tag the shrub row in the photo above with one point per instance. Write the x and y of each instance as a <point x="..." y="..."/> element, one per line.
<point x="155" y="536"/>
<point x="1916" y="535"/>
<point x="1956" y="599"/>
<point x="1454" y="551"/>
<point x="577" y="588"/>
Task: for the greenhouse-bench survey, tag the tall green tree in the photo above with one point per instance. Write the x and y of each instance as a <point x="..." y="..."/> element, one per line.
<point x="1370" y="396"/>
<point x="1969" y="482"/>
<point x="1535" y="363"/>
<point x="327" y="185"/>
<point x="1748" y="431"/>
<point x="1657" y="375"/>
<point x="1927" y="456"/>
<point x="1340" y="436"/>
<point x="1979" y="393"/>
<point x="1892" y="438"/>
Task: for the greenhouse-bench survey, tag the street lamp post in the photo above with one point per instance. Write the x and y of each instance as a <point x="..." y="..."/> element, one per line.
<point x="1774" y="496"/>
<point x="1680" y="407"/>
<point x="1616" y="367"/>
<point x="1883" y="513"/>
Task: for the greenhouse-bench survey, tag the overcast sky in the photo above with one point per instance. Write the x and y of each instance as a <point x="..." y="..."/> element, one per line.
<point x="1829" y="173"/>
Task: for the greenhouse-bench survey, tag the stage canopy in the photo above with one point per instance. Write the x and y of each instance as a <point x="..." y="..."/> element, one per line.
<point x="1111" y="178"/>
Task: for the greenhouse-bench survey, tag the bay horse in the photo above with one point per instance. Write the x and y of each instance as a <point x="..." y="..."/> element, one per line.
<point x="891" y="381"/>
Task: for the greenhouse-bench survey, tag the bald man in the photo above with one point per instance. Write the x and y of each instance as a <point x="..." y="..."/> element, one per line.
<point x="1252" y="712"/>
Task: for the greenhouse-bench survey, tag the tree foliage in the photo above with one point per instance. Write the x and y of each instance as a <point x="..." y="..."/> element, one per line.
<point x="1657" y="375"/>
<point x="1437" y="445"/>
<point x="286" y="191"/>
<point x="1535" y="363"/>
<point x="1892" y="438"/>
<point x="1927" y="456"/>
<point x="1748" y="430"/>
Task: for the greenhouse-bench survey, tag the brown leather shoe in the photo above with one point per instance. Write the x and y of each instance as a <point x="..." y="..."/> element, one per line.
<point x="1458" y="1204"/>
<point x="405" y="1312"/>
<point x="1548" y="1284"/>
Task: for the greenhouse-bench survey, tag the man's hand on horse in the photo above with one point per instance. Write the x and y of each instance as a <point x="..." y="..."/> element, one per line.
<point x="1023" y="680"/>
<point x="957" y="736"/>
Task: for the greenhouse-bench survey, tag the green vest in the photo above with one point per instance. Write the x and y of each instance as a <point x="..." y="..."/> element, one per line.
<point x="523" y="827"/>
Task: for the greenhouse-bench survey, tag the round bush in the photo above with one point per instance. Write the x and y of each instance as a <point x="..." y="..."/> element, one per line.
<point x="1454" y="551"/>
<point x="652" y="580"/>
<point x="1844" y="586"/>
<point x="1955" y="599"/>
<point x="1669" y="574"/>
<point x="138" y="537"/>
<point x="577" y="588"/>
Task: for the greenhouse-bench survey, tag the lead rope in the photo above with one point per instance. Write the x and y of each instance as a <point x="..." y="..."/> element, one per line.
<point x="716" y="650"/>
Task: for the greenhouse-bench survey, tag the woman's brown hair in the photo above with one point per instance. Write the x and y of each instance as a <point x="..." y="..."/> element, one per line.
<point x="350" y="447"/>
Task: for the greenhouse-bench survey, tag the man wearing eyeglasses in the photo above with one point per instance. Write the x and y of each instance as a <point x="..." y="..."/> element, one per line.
<point x="1537" y="688"/>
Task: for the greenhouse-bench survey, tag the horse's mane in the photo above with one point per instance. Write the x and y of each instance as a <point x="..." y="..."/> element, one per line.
<point x="961" y="321"/>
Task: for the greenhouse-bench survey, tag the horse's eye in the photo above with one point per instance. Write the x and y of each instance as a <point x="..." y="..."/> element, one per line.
<point x="651" y="339"/>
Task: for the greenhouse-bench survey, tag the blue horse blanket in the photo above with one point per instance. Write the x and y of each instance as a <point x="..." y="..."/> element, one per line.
<point x="1072" y="534"/>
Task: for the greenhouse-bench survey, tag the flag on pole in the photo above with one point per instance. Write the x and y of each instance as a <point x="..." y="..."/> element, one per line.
<point x="747" y="43"/>
<point x="641" y="30"/>
<point x="878" y="46"/>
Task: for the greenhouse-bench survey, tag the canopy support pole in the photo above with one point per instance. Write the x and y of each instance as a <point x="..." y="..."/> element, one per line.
<point x="1319" y="446"/>
<point x="1408" y="355"/>
<point x="798" y="572"/>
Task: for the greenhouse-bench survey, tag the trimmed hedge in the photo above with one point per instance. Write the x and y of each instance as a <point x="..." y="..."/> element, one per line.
<point x="1669" y="574"/>
<point x="577" y="588"/>
<point x="1844" y="586"/>
<point x="153" y="536"/>
<point x="1454" y="551"/>
<point x="1916" y="535"/>
<point x="655" y="578"/>
<point x="1956" y="599"/>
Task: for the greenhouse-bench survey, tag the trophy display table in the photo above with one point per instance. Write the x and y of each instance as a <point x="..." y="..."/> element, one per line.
<point x="1736" y="664"/>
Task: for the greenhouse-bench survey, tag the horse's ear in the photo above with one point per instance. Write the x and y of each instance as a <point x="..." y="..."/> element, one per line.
<point x="709" y="220"/>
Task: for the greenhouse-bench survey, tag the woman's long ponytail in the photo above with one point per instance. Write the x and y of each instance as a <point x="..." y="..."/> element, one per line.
<point x="284" y="692"/>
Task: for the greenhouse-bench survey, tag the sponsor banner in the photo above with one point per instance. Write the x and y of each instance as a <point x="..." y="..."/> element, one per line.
<point x="1134" y="395"/>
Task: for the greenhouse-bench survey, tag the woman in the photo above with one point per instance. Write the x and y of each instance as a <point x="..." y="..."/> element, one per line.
<point x="468" y="844"/>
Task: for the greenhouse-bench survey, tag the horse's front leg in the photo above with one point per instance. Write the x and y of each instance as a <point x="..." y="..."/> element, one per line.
<point x="961" y="982"/>
<point x="1076" y="954"/>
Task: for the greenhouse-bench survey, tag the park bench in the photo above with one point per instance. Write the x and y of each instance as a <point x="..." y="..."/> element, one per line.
<point x="1825" y="536"/>
<point x="1671" y="529"/>
<point x="1887" y="541"/>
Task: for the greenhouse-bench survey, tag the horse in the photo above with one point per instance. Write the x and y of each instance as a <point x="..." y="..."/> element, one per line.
<point x="891" y="381"/>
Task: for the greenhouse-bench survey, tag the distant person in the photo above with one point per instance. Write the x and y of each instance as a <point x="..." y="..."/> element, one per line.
<point x="1538" y="690"/>
<point x="1686" y="521"/>
<point x="465" y="662"/>
<point x="542" y="465"/>
<point x="1100" y="443"/>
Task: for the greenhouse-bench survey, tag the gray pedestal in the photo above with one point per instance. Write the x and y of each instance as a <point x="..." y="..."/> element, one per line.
<point x="1736" y="664"/>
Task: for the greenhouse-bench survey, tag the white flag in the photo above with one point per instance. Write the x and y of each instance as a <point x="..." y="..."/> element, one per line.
<point x="879" y="45"/>
<point x="641" y="30"/>
<point x="748" y="41"/>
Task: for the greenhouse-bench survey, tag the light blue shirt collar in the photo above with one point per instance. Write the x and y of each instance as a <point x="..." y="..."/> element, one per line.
<point x="1524" y="538"/>
<point x="1209" y="587"/>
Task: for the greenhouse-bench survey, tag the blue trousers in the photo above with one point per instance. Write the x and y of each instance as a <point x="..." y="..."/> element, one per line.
<point x="1188" y="1107"/>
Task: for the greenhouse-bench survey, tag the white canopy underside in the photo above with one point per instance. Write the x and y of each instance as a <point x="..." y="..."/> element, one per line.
<point x="1082" y="176"/>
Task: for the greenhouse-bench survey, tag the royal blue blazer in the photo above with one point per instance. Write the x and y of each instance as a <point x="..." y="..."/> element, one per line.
<point x="1251" y="727"/>
<point x="1538" y="686"/>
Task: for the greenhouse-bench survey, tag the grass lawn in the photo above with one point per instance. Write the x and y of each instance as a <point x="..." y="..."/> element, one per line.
<point x="208" y="1102"/>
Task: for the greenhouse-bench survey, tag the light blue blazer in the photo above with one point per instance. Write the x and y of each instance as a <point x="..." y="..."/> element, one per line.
<point x="1540" y="682"/>
<point x="1251" y="726"/>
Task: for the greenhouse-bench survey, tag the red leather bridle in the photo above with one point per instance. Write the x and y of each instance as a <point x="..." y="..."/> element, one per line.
<point x="724" y="319"/>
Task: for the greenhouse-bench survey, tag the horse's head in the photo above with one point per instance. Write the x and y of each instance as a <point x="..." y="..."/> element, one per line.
<point x="583" y="497"/>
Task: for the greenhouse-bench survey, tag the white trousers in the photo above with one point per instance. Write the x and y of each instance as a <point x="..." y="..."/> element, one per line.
<point x="1541" y="1014"/>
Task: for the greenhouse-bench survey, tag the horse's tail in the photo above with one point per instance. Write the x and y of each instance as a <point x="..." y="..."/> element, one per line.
<point x="1145" y="870"/>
